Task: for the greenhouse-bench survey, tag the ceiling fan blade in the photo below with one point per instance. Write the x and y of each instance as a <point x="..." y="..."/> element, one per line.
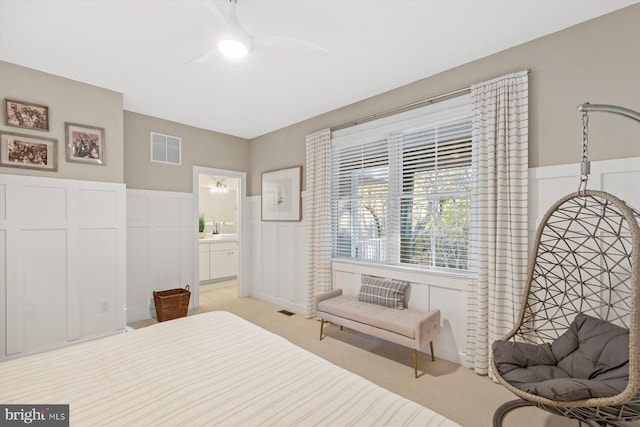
<point x="236" y="32"/>
<point x="200" y="58"/>
<point x="284" y="42"/>
<point x="214" y="7"/>
<point x="230" y="18"/>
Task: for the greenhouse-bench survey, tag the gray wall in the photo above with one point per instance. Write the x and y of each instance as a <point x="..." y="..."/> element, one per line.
<point x="68" y="101"/>
<point x="596" y="61"/>
<point x="199" y="147"/>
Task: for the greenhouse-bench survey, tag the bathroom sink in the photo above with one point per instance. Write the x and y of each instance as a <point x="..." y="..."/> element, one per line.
<point x="214" y="237"/>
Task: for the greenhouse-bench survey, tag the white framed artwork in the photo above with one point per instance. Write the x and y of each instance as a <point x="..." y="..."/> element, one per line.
<point x="281" y="195"/>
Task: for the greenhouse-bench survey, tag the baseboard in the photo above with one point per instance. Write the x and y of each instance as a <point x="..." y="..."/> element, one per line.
<point x="135" y="317"/>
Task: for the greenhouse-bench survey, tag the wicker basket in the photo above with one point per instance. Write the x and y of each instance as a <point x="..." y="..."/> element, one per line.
<point x="172" y="303"/>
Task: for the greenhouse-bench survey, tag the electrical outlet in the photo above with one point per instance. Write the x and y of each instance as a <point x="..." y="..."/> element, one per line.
<point x="105" y="307"/>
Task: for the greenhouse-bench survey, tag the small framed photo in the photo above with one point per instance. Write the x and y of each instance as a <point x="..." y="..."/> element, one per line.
<point x="281" y="195"/>
<point x="85" y="144"/>
<point x="26" y="115"/>
<point x="28" y="152"/>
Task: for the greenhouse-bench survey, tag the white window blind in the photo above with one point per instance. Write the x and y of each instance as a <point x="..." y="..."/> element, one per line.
<point x="434" y="214"/>
<point x="400" y="188"/>
<point x="361" y="189"/>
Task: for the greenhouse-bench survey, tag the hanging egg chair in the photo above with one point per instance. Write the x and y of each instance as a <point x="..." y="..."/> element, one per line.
<point x="575" y="349"/>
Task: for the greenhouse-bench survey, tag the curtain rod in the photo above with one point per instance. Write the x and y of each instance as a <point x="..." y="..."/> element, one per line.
<point x="406" y="107"/>
<point x="402" y="108"/>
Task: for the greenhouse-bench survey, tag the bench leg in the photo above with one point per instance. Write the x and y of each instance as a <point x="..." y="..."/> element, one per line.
<point x="321" y="328"/>
<point x="415" y="359"/>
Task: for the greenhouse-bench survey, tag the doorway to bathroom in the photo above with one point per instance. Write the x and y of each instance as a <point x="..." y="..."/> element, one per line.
<point x="218" y="196"/>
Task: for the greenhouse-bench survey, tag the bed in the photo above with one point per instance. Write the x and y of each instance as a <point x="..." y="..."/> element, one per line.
<point x="209" y="369"/>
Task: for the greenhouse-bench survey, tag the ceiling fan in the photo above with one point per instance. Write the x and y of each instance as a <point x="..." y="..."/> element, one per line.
<point x="236" y="42"/>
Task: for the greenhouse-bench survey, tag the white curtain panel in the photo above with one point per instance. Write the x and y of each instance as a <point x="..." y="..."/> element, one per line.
<point x="317" y="216"/>
<point x="498" y="230"/>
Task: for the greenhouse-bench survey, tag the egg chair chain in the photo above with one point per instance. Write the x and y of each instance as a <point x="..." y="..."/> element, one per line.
<point x="585" y="165"/>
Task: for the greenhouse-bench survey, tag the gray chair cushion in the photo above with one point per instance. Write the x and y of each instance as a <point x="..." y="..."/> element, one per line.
<point x="590" y="360"/>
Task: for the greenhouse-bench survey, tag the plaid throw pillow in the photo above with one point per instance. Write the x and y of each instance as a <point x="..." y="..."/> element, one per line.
<point x="385" y="292"/>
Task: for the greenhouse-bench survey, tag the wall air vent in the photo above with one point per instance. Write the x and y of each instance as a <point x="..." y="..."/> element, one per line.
<point x="166" y="149"/>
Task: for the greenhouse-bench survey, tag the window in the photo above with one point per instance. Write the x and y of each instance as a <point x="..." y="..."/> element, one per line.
<point x="400" y="189"/>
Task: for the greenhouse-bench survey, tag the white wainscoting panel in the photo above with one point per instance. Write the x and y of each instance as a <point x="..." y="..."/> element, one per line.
<point x="278" y="252"/>
<point x="42" y="295"/>
<point x="160" y="245"/>
<point x="63" y="261"/>
<point x="619" y="177"/>
<point x="98" y="252"/>
<point x="3" y="281"/>
<point x="278" y="272"/>
<point x="3" y="268"/>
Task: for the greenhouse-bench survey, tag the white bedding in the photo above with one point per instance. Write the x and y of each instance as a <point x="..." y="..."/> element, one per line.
<point x="208" y="369"/>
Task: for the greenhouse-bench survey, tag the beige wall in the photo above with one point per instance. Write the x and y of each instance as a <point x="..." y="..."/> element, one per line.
<point x="126" y="134"/>
<point x="68" y="101"/>
<point x="597" y="61"/>
<point x="199" y="147"/>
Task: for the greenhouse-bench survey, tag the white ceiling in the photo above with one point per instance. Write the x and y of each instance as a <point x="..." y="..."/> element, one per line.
<point x="138" y="48"/>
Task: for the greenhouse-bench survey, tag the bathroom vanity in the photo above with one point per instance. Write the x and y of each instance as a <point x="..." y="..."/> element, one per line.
<point x="218" y="257"/>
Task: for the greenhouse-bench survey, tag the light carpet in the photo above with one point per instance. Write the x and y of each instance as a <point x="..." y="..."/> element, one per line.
<point x="449" y="389"/>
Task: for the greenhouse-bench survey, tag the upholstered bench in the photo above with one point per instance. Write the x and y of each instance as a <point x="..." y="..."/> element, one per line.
<point x="391" y="322"/>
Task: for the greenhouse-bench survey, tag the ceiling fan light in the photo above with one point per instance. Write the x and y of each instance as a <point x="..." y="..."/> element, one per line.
<point x="232" y="48"/>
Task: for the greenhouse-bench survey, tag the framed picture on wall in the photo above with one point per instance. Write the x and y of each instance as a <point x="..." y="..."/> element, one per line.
<point x="85" y="144"/>
<point x="281" y="195"/>
<point x="28" y="152"/>
<point x="26" y="115"/>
